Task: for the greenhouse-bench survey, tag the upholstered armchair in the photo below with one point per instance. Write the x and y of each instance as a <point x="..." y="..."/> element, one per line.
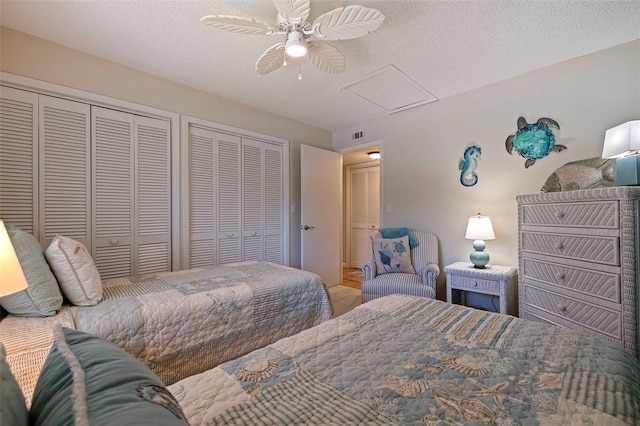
<point x="424" y="258"/>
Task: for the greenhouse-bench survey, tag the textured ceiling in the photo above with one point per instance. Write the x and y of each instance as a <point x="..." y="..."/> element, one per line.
<point x="447" y="47"/>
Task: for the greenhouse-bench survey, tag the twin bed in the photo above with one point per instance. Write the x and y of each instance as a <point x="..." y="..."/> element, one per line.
<point x="179" y="323"/>
<point x="409" y="360"/>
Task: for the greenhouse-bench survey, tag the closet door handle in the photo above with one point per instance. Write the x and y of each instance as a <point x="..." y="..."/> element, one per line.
<point x="307" y="227"/>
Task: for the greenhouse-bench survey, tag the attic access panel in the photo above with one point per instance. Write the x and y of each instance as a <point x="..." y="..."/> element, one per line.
<point x="390" y="89"/>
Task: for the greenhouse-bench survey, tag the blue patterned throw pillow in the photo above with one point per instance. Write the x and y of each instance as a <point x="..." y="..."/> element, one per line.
<point x="392" y="254"/>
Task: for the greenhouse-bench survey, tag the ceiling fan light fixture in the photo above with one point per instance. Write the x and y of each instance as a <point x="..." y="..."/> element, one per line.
<point x="296" y="45"/>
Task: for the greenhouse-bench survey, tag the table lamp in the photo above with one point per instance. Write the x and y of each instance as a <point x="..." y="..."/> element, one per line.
<point x="623" y="143"/>
<point x="479" y="229"/>
<point x="12" y="279"/>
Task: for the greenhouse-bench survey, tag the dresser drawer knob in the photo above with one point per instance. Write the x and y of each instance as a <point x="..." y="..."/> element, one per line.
<point x="562" y="308"/>
<point x="475" y="284"/>
<point x="561" y="277"/>
<point x="114" y="242"/>
<point x="560" y="246"/>
<point x="560" y="215"/>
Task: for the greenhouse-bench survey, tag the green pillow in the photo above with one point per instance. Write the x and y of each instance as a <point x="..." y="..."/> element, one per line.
<point x="42" y="297"/>
<point x="13" y="409"/>
<point x="87" y="380"/>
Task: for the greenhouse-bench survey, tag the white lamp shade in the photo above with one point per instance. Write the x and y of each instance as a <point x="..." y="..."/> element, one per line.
<point x="12" y="279"/>
<point x="622" y="140"/>
<point x="480" y="228"/>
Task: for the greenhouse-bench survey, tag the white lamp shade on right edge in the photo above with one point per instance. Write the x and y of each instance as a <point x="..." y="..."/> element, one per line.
<point x="623" y="143"/>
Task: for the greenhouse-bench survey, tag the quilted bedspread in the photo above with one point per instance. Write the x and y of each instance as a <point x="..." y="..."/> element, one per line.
<point x="181" y="323"/>
<point x="408" y="360"/>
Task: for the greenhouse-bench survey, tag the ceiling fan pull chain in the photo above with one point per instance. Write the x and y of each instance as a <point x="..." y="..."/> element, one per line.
<point x="299" y="72"/>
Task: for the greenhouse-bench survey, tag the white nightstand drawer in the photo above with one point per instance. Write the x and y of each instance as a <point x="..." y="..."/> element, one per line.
<point x="475" y="284"/>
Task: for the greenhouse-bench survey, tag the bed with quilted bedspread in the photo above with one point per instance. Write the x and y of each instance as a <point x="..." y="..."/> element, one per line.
<point x="409" y="360"/>
<point x="180" y="323"/>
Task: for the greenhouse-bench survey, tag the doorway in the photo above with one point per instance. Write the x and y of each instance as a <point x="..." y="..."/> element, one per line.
<point x="361" y="206"/>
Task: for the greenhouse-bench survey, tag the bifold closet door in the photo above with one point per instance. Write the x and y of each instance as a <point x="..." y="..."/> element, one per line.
<point x="131" y="194"/>
<point x="262" y="198"/>
<point x="65" y="170"/>
<point x="214" y="198"/>
<point x="235" y="199"/>
<point x="44" y="165"/>
<point x="18" y="159"/>
<point x="228" y="169"/>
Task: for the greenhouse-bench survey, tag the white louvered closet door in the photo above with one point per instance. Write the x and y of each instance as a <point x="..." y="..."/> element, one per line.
<point x="113" y="192"/>
<point x="65" y="161"/>
<point x="202" y="198"/>
<point x="18" y="156"/>
<point x="229" y="213"/>
<point x="131" y="194"/>
<point x="262" y="201"/>
<point x="273" y="203"/>
<point x="252" y="200"/>
<point x="153" y="195"/>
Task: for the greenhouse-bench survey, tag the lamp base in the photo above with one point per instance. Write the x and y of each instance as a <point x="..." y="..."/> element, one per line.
<point x="628" y="170"/>
<point x="479" y="257"/>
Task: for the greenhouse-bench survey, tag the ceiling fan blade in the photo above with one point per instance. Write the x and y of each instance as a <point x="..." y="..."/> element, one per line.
<point x="326" y="57"/>
<point x="294" y="10"/>
<point x="238" y="24"/>
<point x="271" y="59"/>
<point x="349" y="22"/>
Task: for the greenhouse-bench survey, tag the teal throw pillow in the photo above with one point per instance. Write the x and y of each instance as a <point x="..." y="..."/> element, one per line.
<point x="88" y="380"/>
<point x="42" y="297"/>
<point x="392" y="254"/>
<point x="13" y="409"/>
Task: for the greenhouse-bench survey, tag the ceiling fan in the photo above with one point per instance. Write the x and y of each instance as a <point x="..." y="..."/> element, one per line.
<point x="304" y="39"/>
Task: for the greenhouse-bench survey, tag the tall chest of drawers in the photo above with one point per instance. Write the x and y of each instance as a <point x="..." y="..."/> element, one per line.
<point x="578" y="261"/>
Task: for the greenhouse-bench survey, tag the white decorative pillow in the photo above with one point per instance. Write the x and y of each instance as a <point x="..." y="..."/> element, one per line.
<point x="392" y="254"/>
<point x="75" y="271"/>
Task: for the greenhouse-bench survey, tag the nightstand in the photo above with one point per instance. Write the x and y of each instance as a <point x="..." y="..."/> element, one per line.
<point x="493" y="280"/>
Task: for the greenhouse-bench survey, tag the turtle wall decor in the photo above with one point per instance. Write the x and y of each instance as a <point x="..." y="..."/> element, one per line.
<point x="534" y="141"/>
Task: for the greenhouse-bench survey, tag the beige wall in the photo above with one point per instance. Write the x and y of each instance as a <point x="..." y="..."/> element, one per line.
<point x="422" y="146"/>
<point x="35" y="58"/>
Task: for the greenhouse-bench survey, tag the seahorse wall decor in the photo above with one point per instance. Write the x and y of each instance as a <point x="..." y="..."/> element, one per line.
<point x="468" y="164"/>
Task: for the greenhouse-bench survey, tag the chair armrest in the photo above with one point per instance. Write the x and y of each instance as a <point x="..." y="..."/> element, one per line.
<point x="369" y="269"/>
<point x="430" y="274"/>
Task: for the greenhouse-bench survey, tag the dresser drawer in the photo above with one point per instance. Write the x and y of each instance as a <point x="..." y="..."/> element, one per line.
<point x="605" y="321"/>
<point x="598" y="284"/>
<point x="601" y="214"/>
<point x="580" y="247"/>
<point x="475" y="284"/>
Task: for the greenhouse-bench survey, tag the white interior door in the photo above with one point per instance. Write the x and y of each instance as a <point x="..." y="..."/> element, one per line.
<point x="364" y="214"/>
<point x="320" y="213"/>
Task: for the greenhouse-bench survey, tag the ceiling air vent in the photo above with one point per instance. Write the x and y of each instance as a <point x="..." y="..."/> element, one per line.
<point x="357" y="135"/>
